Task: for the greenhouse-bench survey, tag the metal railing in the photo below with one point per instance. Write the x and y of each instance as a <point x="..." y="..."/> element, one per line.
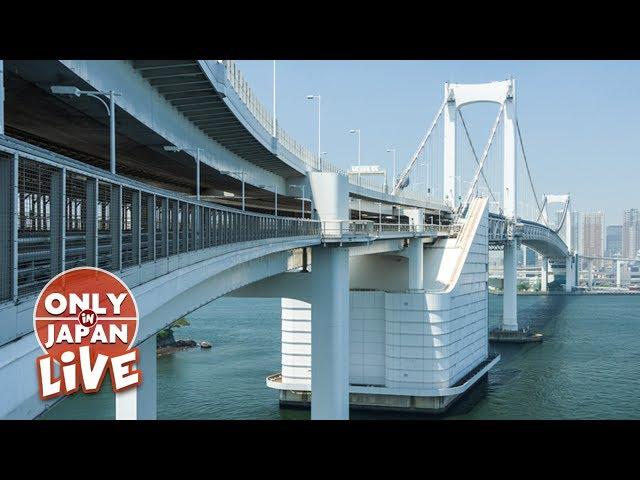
<point x="344" y="229"/>
<point x="265" y="118"/>
<point x="57" y="213"/>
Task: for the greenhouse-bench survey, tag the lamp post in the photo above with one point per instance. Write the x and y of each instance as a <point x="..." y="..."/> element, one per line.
<point x="301" y="187"/>
<point x="276" y="197"/>
<point x="241" y="173"/>
<point x="194" y="152"/>
<point x="111" y="112"/>
<point x="356" y="131"/>
<point x="275" y="129"/>
<point x="311" y="97"/>
<point x="392" y="150"/>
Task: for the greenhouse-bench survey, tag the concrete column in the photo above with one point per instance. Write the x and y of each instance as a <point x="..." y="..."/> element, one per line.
<point x="330" y="333"/>
<point x="570" y="274"/>
<point x="416" y="264"/>
<point x="510" y="293"/>
<point x="449" y="171"/>
<point x="589" y="273"/>
<point x="331" y="196"/>
<point x="618" y="273"/>
<point x="510" y="197"/>
<point x="140" y="403"/>
<point x="544" y="275"/>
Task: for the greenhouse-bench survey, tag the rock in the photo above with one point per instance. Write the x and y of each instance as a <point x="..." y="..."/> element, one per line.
<point x="205" y="345"/>
<point x="185" y="343"/>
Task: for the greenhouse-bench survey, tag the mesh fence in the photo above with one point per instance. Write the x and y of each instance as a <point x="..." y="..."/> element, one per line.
<point x="56" y="218"/>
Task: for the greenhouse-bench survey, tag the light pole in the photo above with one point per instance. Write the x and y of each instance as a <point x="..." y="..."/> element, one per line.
<point x="111" y="112"/>
<point x="301" y="187"/>
<point x="192" y="151"/>
<point x="356" y="131"/>
<point x="241" y="173"/>
<point x="275" y="130"/>
<point x="311" y="97"/>
<point x="276" y="197"/>
<point x="392" y="150"/>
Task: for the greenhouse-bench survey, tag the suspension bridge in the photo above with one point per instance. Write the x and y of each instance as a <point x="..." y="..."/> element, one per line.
<point x="197" y="192"/>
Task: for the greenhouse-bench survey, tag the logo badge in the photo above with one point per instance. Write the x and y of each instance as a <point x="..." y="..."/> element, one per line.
<point x="85" y="320"/>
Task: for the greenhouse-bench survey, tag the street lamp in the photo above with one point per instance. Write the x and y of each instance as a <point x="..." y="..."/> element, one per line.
<point x="111" y="112"/>
<point x="276" y="196"/>
<point x="275" y="130"/>
<point x="311" y="97"/>
<point x="301" y="187"/>
<point x="392" y="150"/>
<point x="357" y="132"/>
<point x="241" y="173"/>
<point x="194" y="152"/>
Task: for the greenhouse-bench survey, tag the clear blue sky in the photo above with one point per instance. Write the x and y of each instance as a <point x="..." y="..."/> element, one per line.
<point x="580" y="119"/>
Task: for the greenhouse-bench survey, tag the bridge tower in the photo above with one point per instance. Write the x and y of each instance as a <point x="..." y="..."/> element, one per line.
<point x="565" y="230"/>
<point x="502" y="93"/>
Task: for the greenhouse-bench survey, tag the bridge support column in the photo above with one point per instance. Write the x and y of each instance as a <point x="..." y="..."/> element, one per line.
<point x="570" y="273"/>
<point x="509" y="296"/>
<point x="330" y="333"/>
<point x="589" y="273"/>
<point x="416" y="264"/>
<point x="416" y="250"/>
<point x="544" y="275"/>
<point x="618" y="273"/>
<point x="140" y="403"/>
<point x="330" y="193"/>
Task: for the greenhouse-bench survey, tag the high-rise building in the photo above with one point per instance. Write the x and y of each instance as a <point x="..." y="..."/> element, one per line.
<point x="631" y="233"/>
<point x="593" y="228"/>
<point x="576" y="232"/>
<point x="614" y="240"/>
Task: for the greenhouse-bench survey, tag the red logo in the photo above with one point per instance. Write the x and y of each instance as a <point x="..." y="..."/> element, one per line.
<point x="85" y="320"/>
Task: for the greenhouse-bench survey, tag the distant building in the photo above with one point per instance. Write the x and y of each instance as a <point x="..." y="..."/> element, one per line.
<point x="593" y="235"/>
<point x="614" y="240"/>
<point x="631" y="233"/>
<point x="576" y="232"/>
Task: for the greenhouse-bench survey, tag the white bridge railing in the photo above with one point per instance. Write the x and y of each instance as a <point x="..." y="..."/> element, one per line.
<point x="367" y="229"/>
<point x="57" y="213"/>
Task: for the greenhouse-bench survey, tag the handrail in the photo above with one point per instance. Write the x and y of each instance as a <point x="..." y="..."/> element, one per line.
<point x="66" y="214"/>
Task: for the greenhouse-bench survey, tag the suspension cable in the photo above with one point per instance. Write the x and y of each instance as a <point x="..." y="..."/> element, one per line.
<point x="476" y="175"/>
<point x="407" y="170"/>
<point x="475" y="155"/>
<point x="524" y="156"/>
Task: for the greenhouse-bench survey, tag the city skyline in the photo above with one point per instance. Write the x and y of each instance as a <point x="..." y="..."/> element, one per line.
<point x="559" y="104"/>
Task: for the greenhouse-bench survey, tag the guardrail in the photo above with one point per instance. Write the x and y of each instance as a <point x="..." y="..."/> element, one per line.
<point x="57" y="213"/>
<point x="367" y="229"/>
<point x="265" y="118"/>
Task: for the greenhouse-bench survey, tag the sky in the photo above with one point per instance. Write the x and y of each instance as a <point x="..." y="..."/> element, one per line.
<point x="579" y="119"/>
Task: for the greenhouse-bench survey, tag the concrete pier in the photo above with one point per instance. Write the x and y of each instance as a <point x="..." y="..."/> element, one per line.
<point x="510" y="299"/>
<point x="330" y="333"/>
<point x="140" y="403"/>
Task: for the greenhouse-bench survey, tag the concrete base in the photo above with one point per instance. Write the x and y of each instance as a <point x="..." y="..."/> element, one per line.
<point x="387" y="403"/>
<point x="432" y="405"/>
<point x="503" y="336"/>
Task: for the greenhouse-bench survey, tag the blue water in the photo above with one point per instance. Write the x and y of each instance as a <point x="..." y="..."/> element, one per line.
<point x="586" y="368"/>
